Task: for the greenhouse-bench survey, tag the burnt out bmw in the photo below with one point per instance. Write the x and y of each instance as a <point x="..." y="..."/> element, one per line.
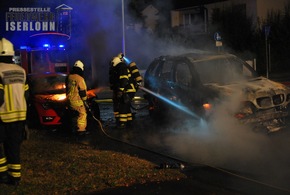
<point x="199" y="83"/>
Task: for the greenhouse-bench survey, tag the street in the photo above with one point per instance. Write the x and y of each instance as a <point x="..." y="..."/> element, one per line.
<point x="222" y="145"/>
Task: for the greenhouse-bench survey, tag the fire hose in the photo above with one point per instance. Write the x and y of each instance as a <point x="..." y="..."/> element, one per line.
<point x="143" y="107"/>
<point x="181" y="165"/>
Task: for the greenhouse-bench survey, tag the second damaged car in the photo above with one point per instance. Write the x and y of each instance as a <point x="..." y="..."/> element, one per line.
<point x="202" y="82"/>
<point x="48" y="102"/>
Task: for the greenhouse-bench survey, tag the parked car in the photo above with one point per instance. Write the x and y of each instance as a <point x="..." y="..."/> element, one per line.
<point x="199" y="83"/>
<point x="48" y="103"/>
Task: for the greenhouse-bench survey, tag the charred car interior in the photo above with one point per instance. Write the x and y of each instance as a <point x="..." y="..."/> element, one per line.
<point x="201" y="82"/>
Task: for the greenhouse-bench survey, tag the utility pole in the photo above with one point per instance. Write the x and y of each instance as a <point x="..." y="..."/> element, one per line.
<point x="267" y="32"/>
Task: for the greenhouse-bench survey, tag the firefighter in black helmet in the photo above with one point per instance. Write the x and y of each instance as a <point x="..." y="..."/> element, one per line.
<point x="119" y="76"/>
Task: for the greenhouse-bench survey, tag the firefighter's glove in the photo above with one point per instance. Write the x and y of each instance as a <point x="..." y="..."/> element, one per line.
<point x="139" y="84"/>
<point x="119" y="94"/>
<point x="87" y="105"/>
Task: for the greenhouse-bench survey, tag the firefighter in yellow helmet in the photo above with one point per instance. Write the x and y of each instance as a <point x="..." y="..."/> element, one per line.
<point x="76" y="91"/>
<point x="13" y="109"/>
<point x="119" y="76"/>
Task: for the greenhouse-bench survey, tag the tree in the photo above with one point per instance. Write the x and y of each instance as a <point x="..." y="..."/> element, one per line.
<point x="279" y="38"/>
<point x="236" y="28"/>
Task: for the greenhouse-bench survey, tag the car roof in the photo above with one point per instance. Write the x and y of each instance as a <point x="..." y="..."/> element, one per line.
<point x="200" y="56"/>
<point x="48" y="74"/>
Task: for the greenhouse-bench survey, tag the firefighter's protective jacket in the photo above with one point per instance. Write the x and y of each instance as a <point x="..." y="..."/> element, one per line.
<point x="120" y="78"/>
<point x="76" y="90"/>
<point x="135" y="74"/>
<point x="13" y="93"/>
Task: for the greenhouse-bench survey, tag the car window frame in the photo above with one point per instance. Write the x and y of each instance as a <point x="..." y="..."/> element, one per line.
<point x="177" y="64"/>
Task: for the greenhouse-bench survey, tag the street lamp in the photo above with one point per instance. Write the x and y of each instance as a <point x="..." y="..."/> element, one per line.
<point x="123" y="25"/>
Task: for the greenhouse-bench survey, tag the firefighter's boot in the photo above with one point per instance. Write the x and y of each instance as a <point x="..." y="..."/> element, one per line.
<point x="4" y="177"/>
<point x="83" y="137"/>
<point x="121" y="125"/>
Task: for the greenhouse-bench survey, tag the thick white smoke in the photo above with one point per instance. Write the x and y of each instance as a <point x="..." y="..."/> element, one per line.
<point x="224" y="142"/>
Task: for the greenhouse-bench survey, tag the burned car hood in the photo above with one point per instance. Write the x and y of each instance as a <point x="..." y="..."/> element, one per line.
<point x="50" y="97"/>
<point x="253" y="89"/>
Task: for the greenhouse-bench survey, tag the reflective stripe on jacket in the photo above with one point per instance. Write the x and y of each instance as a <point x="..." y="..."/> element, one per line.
<point x="13" y="83"/>
<point x="135" y="74"/>
<point x="121" y="78"/>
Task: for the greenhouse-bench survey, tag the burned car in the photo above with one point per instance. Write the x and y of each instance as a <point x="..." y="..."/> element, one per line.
<point x="48" y="103"/>
<point x="199" y="83"/>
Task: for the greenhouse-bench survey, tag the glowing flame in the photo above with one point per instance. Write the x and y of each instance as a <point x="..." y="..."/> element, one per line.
<point x="58" y="97"/>
<point x="92" y="92"/>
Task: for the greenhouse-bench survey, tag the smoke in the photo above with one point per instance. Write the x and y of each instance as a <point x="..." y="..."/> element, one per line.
<point x="98" y="36"/>
<point x="225" y="143"/>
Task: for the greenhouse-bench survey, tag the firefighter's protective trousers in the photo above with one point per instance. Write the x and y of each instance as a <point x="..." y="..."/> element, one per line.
<point x="11" y="135"/>
<point x="122" y="109"/>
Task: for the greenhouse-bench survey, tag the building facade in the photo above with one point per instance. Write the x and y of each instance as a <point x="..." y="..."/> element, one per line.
<point x="198" y="17"/>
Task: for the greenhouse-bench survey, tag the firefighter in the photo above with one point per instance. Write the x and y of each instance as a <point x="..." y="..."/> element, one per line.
<point x="136" y="77"/>
<point x="77" y="100"/>
<point x="119" y="76"/>
<point x="13" y="109"/>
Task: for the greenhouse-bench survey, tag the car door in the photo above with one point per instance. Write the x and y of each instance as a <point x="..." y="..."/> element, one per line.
<point x="181" y="81"/>
<point x="165" y="78"/>
<point x="187" y="86"/>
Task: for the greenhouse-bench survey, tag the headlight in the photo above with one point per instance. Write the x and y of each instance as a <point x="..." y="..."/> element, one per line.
<point x="278" y="99"/>
<point x="288" y="97"/>
<point x="264" y="101"/>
